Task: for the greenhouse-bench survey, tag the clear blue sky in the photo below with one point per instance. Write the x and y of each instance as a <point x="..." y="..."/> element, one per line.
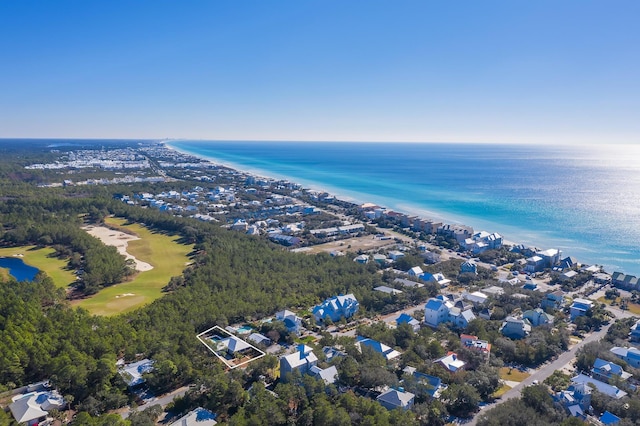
<point x="478" y="71"/>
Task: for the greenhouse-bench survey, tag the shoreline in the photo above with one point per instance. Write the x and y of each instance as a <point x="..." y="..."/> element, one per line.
<point x="358" y="199"/>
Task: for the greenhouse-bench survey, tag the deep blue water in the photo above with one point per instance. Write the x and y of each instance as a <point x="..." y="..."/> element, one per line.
<point x="18" y="269"/>
<point x="583" y="200"/>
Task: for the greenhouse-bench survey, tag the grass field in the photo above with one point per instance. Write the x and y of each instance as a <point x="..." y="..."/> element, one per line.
<point x="41" y="259"/>
<point x="163" y="252"/>
<point x="501" y="391"/>
<point x="513" y="374"/>
<point x="634" y="308"/>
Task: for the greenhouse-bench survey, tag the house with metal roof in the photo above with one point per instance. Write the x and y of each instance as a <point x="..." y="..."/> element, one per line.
<point x="336" y="307"/>
<point x="386" y="351"/>
<point x="396" y="398"/>
<point x="630" y="355"/>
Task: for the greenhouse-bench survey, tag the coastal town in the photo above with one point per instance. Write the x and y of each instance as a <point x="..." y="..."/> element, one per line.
<point x="459" y="319"/>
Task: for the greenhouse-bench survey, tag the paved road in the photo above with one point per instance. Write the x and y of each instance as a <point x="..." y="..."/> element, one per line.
<point x="547" y="369"/>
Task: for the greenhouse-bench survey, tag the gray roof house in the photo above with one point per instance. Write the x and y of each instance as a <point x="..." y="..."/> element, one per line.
<point x="394" y="398"/>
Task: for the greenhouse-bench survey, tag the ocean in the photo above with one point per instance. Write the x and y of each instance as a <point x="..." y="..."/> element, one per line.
<point x="584" y="200"/>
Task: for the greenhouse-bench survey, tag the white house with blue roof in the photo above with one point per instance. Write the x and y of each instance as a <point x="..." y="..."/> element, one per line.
<point x="436" y="312"/>
<point x="605" y="388"/>
<point x="408" y="319"/>
<point x="336" y="307"/>
<point x="302" y="360"/>
<point x="290" y="320"/>
<point x="386" y="351"/>
<point x="606" y="370"/>
<point x="580" y="307"/>
<point x="197" y="417"/>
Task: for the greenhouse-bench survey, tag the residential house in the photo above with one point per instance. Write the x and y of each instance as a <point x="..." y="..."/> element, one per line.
<point x="609" y="419"/>
<point x="469" y="267"/>
<point x="198" y="417"/>
<point x="450" y="362"/>
<point x="537" y="317"/>
<point x="553" y="300"/>
<point x="603" y="387"/>
<point x="461" y="318"/>
<point x="576" y="399"/>
<point x="394" y="398"/>
<point x="630" y="355"/>
<point x="534" y="264"/>
<point x="380" y="258"/>
<point x="407" y="283"/>
<point x="301" y="360"/>
<point x="388" y="290"/>
<point x="331" y="352"/>
<point x="327" y="375"/>
<point x="416" y="271"/>
<point x="132" y="373"/>
<point x="33" y="408"/>
<point x="233" y="345"/>
<point x="362" y="259"/>
<point x="438" y="278"/>
<point x="473" y="343"/>
<point x="436" y="312"/>
<point x="395" y="255"/>
<point x="515" y="328"/>
<point x="336" y="307"/>
<point x="627" y="282"/>
<point x="259" y="339"/>
<point x="386" y="351"/>
<point x="579" y="308"/>
<point x="605" y="370"/>
<point x="408" y="319"/>
<point x="433" y="384"/>
<point x="290" y="320"/>
<point x="634" y="335"/>
<point x="477" y="297"/>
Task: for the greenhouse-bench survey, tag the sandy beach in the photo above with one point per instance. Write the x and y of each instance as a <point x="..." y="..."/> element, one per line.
<point x="119" y="240"/>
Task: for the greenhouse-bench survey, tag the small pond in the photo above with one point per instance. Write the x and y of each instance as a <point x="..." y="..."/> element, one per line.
<point x="18" y="269"/>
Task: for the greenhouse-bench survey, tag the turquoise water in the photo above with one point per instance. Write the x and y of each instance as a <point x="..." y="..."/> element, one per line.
<point x="18" y="269"/>
<point x="582" y="200"/>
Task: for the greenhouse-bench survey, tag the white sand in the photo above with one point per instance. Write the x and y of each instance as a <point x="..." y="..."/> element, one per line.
<point x="119" y="240"/>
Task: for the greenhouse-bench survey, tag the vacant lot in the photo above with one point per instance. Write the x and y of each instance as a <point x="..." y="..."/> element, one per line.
<point x="163" y="252"/>
<point x="43" y="259"/>
<point x="350" y="245"/>
<point x="513" y="374"/>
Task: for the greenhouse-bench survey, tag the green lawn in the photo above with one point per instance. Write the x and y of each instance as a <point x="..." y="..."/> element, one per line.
<point x="501" y="391"/>
<point x="41" y="258"/>
<point x="163" y="252"/>
<point x="512" y="374"/>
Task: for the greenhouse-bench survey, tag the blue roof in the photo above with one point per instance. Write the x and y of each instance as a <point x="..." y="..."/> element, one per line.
<point x="434" y="304"/>
<point x="405" y="318"/>
<point x="434" y="382"/>
<point x="615" y="368"/>
<point x="609" y="419"/>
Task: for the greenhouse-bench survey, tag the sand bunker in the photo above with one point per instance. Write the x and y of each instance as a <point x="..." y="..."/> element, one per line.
<point x="119" y="240"/>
